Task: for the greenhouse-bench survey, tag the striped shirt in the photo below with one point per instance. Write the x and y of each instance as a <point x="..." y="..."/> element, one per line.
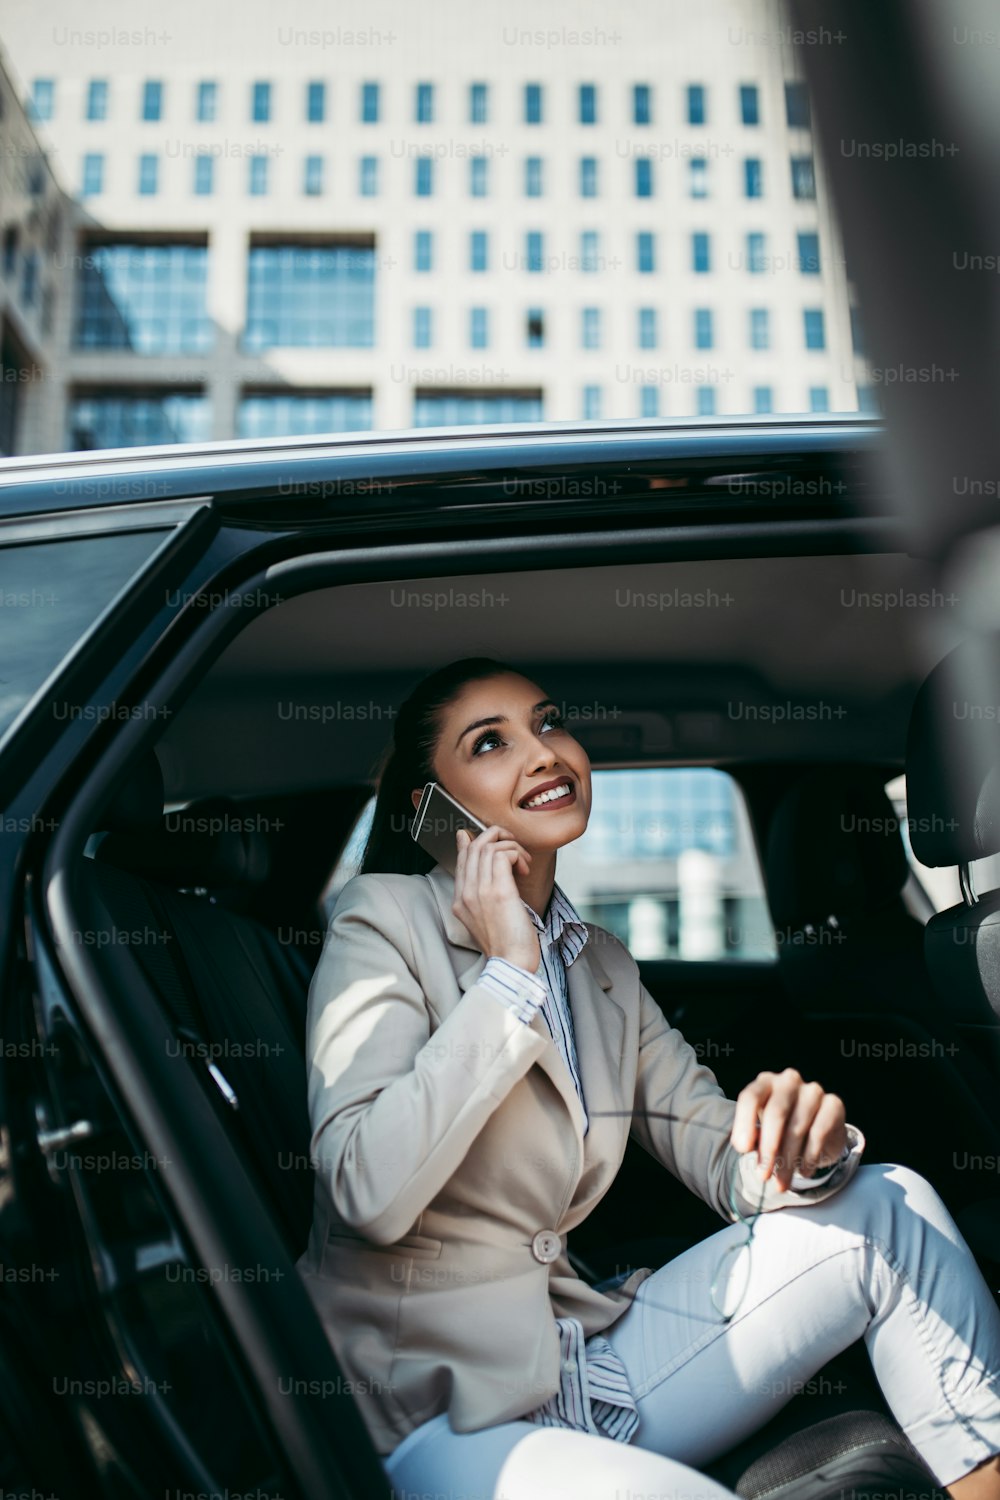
<point x="594" y="1394"/>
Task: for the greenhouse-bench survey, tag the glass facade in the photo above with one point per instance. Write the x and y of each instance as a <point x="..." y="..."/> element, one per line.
<point x="461" y="409"/>
<point x="265" y="415"/>
<point x="150" y="298"/>
<point x="310" y="295"/>
<point x="130" y="419"/>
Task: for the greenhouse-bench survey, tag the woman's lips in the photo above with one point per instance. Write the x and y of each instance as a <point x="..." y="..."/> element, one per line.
<point x="554" y="803"/>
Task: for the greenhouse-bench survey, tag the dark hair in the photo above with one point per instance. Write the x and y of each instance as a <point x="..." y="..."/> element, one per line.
<point x="406" y="763"/>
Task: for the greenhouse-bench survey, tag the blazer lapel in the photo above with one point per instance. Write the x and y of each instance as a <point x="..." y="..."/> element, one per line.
<point x="598" y="1025"/>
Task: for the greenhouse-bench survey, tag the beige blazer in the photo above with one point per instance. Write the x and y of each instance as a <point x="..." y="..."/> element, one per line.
<point x="451" y="1162"/>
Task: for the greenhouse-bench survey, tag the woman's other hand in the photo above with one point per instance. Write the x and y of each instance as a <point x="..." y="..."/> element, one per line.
<point x="795" y="1126"/>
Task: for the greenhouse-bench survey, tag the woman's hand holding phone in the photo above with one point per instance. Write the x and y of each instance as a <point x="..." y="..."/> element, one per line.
<point x="487" y="899"/>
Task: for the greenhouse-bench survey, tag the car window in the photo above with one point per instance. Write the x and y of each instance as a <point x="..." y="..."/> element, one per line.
<point x="668" y="864"/>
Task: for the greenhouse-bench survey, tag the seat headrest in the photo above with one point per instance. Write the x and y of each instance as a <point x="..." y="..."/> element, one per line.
<point x="137" y="805"/>
<point x="953" y="757"/>
<point x="209" y="843"/>
<point x="833" y="848"/>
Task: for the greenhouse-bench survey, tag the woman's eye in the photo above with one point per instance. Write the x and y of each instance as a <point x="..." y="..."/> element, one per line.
<point x="484" y="739"/>
<point x="553" y="720"/>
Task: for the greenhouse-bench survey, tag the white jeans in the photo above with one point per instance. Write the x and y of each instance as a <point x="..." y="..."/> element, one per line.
<point x="881" y="1260"/>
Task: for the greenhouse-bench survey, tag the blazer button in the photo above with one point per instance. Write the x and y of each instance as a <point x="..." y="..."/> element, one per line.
<point x="546" y="1246"/>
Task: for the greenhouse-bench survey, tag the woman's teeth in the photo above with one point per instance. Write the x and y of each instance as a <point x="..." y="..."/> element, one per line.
<point x="550" y="796"/>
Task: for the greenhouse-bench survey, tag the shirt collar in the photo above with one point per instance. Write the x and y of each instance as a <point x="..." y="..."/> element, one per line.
<point x="563" y="927"/>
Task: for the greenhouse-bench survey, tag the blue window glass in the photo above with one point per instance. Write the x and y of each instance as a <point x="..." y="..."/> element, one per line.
<point x="315" y="103"/>
<point x="42" y="103"/>
<point x="92" y="181"/>
<point x="97" y="99"/>
<point x="643" y="177"/>
<point x="260" y="102"/>
<point x="423" y="176"/>
<point x="809" y="254"/>
<point x="422" y="327"/>
<point x="534" y="250"/>
<point x="797" y="105"/>
<point x="814" y="328"/>
<point x="368" y="176"/>
<point x="706" y="401"/>
<point x="423" y="250"/>
<point x="756" y="252"/>
<point x="534" y="328"/>
<point x="697" y="177"/>
<point x="319" y="296"/>
<point x="478" y="104"/>
<point x="819" y="398"/>
<point x="257" y="175"/>
<point x="701" y="252"/>
<point x="121" y="419"/>
<point x="753" y="178"/>
<point x="760" y="328"/>
<point x="649" y="401"/>
<point x="588" y="104"/>
<point x="369" y="103"/>
<point x="204" y="174"/>
<point x="589" y="250"/>
<point x="423" y="104"/>
<point x="647" y="328"/>
<point x="803" y="177"/>
<point x="590" y="327"/>
<point x="532" y="176"/>
<point x="703" y="331"/>
<point x="266" y="415"/>
<point x="149" y="174"/>
<point x="763" y="399"/>
<point x="749" y="104"/>
<point x="645" y="250"/>
<point x="591" y="403"/>
<point x="868" y="399"/>
<point x="696" y="111"/>
<point x="479" y="176"/>
<point x="206" y="101"/>
<point x="478" y="250"/>
<point x="479" y="332"/>
<point x="461" y="409"/>
<point x="588" y="177"/>
<point x="146" y="298"/>
<point x="532" y="104"/>
<point x="152" y="99"/>
<point x="642" y="112"/>
<point x="312" y="176"/>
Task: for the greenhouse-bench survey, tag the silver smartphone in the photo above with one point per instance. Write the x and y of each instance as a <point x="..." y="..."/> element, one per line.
<point x="438" y="819"/>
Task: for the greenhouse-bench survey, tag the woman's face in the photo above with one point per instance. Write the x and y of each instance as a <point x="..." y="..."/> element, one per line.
<point x="494" y="767"/>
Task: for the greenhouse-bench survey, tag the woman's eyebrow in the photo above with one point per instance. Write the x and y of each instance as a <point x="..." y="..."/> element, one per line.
<point x="501" y="719"/>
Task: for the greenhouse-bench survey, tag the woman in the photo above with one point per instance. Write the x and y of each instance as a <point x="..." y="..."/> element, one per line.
<point x="450" y="1169"/>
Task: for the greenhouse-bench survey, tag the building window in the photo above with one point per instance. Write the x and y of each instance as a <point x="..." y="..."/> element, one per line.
<point x="369" y="103"/>
<point x="122" y="419"/>
<point x="534" y="328"/>
<point x="701" y="256"/>
<point x="803" y="177"/>
<point x="478" y="104"/>
<point x="93" y="175"/>
<point x="532" y="104"/>
<point x="263" y="415"/>
<point x="423" y="250"/>
<point x="206" y="102"/>
<point x="753" y="178"/>
<point x="146" y="298"/>
<point x="204" y="174"/>
<point x="705" y="400"/>
<point x="763" y="399"/>
<point x="697" y="177"/>
<point x="760" y="328"/>
<point x="42" y="103"/>
<point x="756" y="253"/>
<point x="422" y="328"/>
<point x="643" y="177"/>
<point x="532" y="176"/>
<point x="649" y="401"/>
<point x="813" y="327"/>
<point x="534" y="250"/>
<point x="797" y="106"/>
<point x="149" y="173"/>
<point x="260" y="103"/>
<point x="591" y="403"/>
<point x="257" y="166"/>
<point x="315" y="103"/>
<point x="809" y="254"/>
<point x="479" y="176"/>
<point x="458" y="408"/>
<point x="588" y="104"/>
<point x="703" y="333"/>
<point x="819" y="398"/>
<point x="588" y="176"/>
<point x="318" y="296"/>
<point x="478" y="328"/>
<point x="857" y="336"/>
<point x="696" y="111"/>
<point x="642" y="112"/>
<point x="647" y="328"/>
<point x="645" y="250"/>
<point x="423" y="104"/>
<point x="97" y="99"/>
<point x="749" y="104"/>
<point x="478" y="250"/>
<point x="312" y="182"/>
<point x="368" y="177"/>
<point x="867" y="399"/>
<point x="152" y="99"/>
<point x="590" y="327"/>
<point x="589" y="250"/>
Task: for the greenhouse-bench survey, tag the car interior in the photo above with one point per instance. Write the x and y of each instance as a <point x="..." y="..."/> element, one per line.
<point x="805" y="677"/>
